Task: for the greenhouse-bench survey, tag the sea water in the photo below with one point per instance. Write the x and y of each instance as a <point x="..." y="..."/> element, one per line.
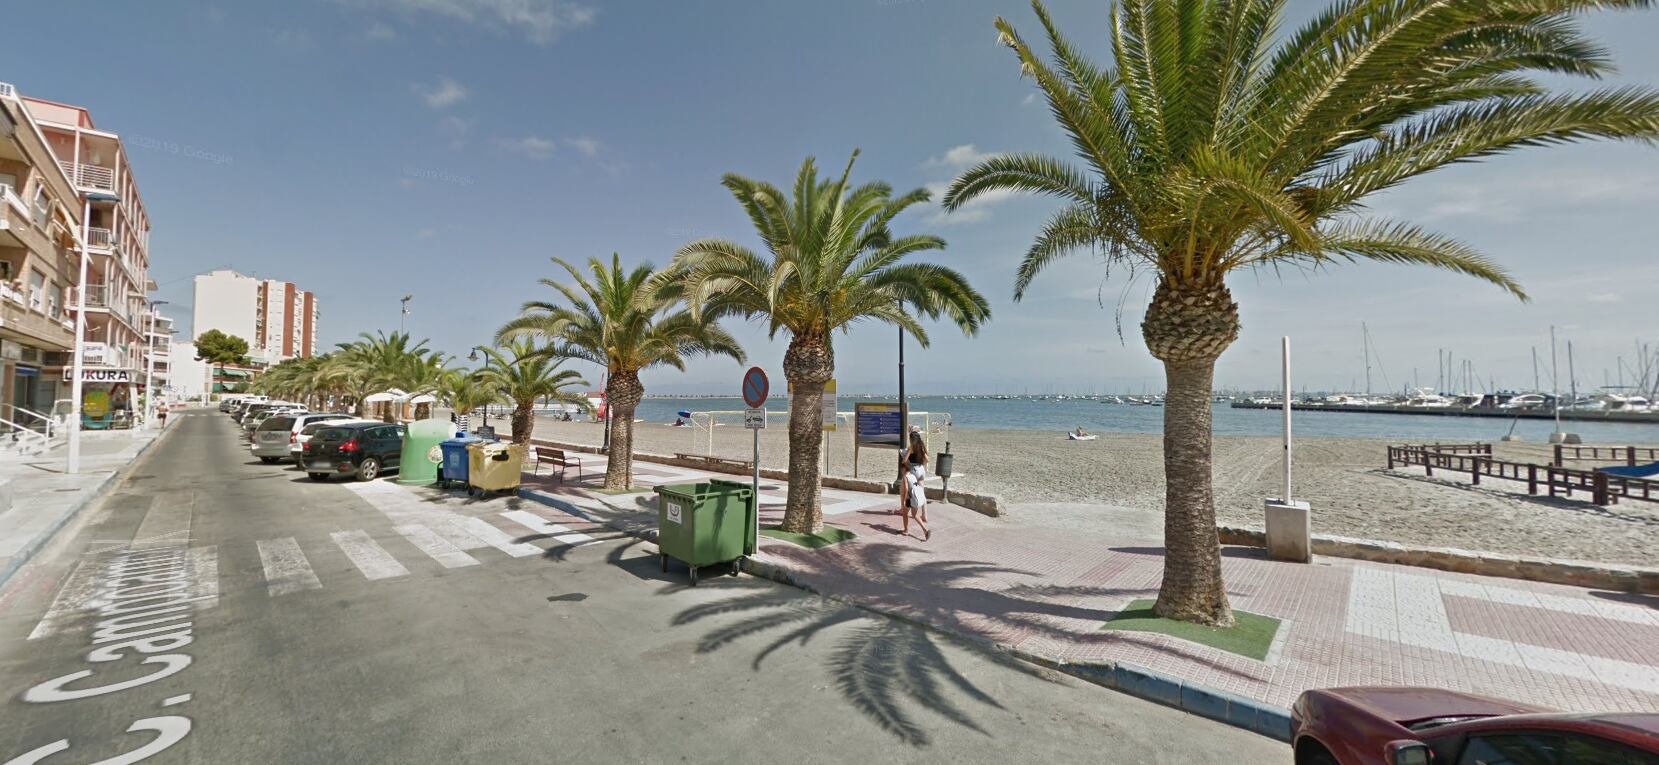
<point x="1098" y="417"/>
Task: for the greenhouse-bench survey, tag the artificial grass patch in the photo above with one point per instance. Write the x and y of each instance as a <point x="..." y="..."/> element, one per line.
<point x="1251" y="636"/>
<point x="829" y="536"/>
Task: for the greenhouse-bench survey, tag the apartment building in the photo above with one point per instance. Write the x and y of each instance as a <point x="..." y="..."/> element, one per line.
<point x="40" y="228"/>
<point x="278" y="319"/>
<point x="114" y="232"/>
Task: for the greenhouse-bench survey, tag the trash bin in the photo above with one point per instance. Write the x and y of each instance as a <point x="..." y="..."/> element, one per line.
<point x="453" y="469"/>
<point x="702" y="524"/>
<point x="421" y="451"/>
<point x="494" y="466"/>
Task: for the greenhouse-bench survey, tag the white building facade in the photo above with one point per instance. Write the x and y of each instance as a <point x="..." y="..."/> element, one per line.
<point x="278" y="320"/>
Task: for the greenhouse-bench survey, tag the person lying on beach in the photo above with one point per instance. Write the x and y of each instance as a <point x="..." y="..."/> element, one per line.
<point x="1080" y="432"/>
<point x="912" y="495"/>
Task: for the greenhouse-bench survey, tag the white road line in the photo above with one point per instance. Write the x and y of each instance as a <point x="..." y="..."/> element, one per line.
<point x="498" y="539"/>
<point x="404" y="507"/>
<point x="202" y="563"/>
<point x="76" y="594"/>
<point x="438" y="548"/>
<point x="374" y="562"/>
<point x="540" y="525"/>
<point x="165" y="524"/>
<point x="286" y="569"/>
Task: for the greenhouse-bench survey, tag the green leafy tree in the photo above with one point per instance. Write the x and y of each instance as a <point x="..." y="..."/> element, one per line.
<point x="832" y="262"/>
<point x="467" y="391"/>
<point x="1209" y="146"/>
<point x="626" y="321"/>
<point x="525" y="374"/>
<point x="219" y="349"/>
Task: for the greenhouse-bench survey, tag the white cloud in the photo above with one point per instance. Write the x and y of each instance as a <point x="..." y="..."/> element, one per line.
<point x="1030" y="98"/>
<point x="456" y="129"/>
<point x="1605" y="297"/>
<point x="530" y="146"/>
<point x="586" y="146"/>
<point x="541" y="21"/>
<point x="379" y="31"/>
<point x="976" y="210"/>
<point x="444" y="94"/>
<point x="958" y="157"/>
<point x="426" y="233"/>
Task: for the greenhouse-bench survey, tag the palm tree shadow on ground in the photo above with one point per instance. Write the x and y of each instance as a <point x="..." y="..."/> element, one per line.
<point x="884" y="667"/>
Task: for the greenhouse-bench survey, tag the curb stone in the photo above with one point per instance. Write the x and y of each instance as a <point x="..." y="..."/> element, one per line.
<point x="88" y="496"/>
<point x="1196" y="699"/>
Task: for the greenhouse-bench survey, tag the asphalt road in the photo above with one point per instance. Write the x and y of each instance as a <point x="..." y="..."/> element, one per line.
<point x="216" y="610"/>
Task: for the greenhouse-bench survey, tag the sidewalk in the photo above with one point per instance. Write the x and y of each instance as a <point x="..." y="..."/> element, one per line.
<point x="43" y="497"/>
<point x="1045" y="592"/>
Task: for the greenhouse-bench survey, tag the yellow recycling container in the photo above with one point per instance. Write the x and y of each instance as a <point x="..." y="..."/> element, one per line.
<point x="494" y="466"/>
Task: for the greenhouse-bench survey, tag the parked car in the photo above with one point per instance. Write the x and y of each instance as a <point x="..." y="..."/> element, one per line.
<point x="358" y="449"/>
<point x="255" y="419"/>
<point x="310" y="430"/>
<point x="1429" y="726"/>
<point x="274" y="439"/>
<point x="253" y="410"/>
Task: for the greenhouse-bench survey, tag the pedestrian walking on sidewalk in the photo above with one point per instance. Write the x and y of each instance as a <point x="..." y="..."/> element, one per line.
<point x="912" y="495"/>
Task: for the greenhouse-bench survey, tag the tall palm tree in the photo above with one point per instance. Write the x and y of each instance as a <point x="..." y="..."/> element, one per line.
<point x="626" y="321"/>
<point x="467" y="390"/>
<point x="1211" y="146"/>
<point x="833" y="262"/>
<point x="525" y="374"/>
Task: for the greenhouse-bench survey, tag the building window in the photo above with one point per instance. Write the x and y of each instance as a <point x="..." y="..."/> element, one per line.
<point x="37" y="291"/>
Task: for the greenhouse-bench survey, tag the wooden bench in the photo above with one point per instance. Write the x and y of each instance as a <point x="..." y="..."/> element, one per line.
<point x="556" y="457"/>
<point x="744" y="466"/>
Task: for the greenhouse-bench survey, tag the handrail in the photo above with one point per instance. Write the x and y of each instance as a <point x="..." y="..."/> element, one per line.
<point x="21" y="435"/>
<point x="1604" y="488"/>
<point x="51" y="424"/>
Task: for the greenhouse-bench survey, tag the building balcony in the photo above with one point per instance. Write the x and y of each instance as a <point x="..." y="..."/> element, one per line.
<point x="94" y="177"/>
<point x="101" y="238"/>
<point x="19" y="322"/>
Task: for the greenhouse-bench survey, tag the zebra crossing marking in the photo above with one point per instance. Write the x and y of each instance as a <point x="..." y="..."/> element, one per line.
<point x="540" y="525"/>
<point x="499" y="539"/>
<point x="435" y="546"/>
<point x="286" y="569"/>
<point x="370" y="558"/>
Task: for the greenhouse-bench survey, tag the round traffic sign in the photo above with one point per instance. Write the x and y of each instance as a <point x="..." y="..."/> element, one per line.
<point x="755" y="387"/>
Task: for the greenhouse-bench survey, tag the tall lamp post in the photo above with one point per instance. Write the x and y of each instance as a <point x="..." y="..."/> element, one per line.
<point x="79" y="363"/>
<point x="904" y="413"/>
<point x="474" y="357"/>
<point x="402" y="319"/>
<point x="150" y="366"/>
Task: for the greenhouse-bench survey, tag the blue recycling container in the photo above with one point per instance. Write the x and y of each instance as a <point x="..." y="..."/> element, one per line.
<point x="454" y="466"/>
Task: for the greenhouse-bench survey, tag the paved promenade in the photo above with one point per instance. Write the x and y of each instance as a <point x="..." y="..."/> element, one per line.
<point x="1047" y="591"/>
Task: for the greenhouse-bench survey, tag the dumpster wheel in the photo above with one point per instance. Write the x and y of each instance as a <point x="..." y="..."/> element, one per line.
<point x="664" y="557"/>
<point x="737" y="565"/>
<point x="693" y="576"/>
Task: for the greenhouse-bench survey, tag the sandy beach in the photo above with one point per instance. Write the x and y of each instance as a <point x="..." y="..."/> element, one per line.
<point x="1345" y="479"/>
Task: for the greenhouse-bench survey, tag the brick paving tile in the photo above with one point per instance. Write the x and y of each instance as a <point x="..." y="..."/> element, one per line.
<point x="1344" y="622"/>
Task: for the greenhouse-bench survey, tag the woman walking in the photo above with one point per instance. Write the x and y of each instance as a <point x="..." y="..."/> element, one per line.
<point x="912" y="495"/>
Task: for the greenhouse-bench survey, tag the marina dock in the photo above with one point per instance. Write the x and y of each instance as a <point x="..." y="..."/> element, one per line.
<point x="1585" y="415"/>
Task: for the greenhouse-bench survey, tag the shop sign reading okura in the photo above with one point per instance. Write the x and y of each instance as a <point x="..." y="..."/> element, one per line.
<point x="99" y="375"/>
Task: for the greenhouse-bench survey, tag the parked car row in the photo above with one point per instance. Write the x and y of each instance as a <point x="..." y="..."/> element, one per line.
<point x="323" y="444"/>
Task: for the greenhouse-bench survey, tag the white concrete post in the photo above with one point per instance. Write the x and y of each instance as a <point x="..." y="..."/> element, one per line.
<point x="80" y="338"/>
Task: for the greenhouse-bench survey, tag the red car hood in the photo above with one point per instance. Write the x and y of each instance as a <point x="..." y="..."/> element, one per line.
<point x="1408" y="705"/>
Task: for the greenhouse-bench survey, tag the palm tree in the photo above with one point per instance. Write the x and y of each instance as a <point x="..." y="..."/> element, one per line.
<point x="373" y="363"/>
<point x="467" y="390"/>
<point x="525" y="374"/>
<point x="626" y="321"/>
<point x="1211" y="146"/>
<point x="833" y="263"/>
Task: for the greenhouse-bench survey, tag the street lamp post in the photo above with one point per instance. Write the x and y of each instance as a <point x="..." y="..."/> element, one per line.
<point x="78" y="365"/>
<point x="402" y="319"/>
<point x="904" y="413"/>
<point x="150" y="366"/>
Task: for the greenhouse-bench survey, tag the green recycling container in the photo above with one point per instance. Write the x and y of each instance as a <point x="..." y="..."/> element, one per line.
<point x="421" y="451"/>
<point x="703" y="524"/>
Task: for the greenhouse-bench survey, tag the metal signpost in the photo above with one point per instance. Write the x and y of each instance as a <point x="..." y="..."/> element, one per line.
<point x="755" y="388"/>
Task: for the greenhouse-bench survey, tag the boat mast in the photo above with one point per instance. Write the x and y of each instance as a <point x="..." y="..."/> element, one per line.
<point x="1535" y="385"/>
<point x="1572" y="379"/>
<point x="1555" y="383"/>
<point x="1365" y="343"/>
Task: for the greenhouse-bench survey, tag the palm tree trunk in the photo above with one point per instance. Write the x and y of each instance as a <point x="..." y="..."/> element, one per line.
<point x="623" y="392"/>
<point x="1192" y="589"/>
<point x="808" y="365"/>
<point x="524" y="422"/>
<point x="1188" y="329"/>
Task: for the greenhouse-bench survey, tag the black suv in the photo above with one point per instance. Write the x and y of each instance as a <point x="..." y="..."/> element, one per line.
<point x="360" y="449"/>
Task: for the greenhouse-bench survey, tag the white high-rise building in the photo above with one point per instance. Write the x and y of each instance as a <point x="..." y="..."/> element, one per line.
<point x="278" y="320"/>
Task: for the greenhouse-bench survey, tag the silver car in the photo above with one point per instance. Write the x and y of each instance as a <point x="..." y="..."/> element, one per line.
<point x="277" y="438"/>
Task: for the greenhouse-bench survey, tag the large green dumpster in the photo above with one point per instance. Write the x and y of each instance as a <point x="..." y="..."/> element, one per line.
<point x="702" y="524"/>
<point x="421" y="453"/>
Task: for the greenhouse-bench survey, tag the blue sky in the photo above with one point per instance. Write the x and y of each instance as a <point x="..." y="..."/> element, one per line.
<point x="365" y="149"/>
